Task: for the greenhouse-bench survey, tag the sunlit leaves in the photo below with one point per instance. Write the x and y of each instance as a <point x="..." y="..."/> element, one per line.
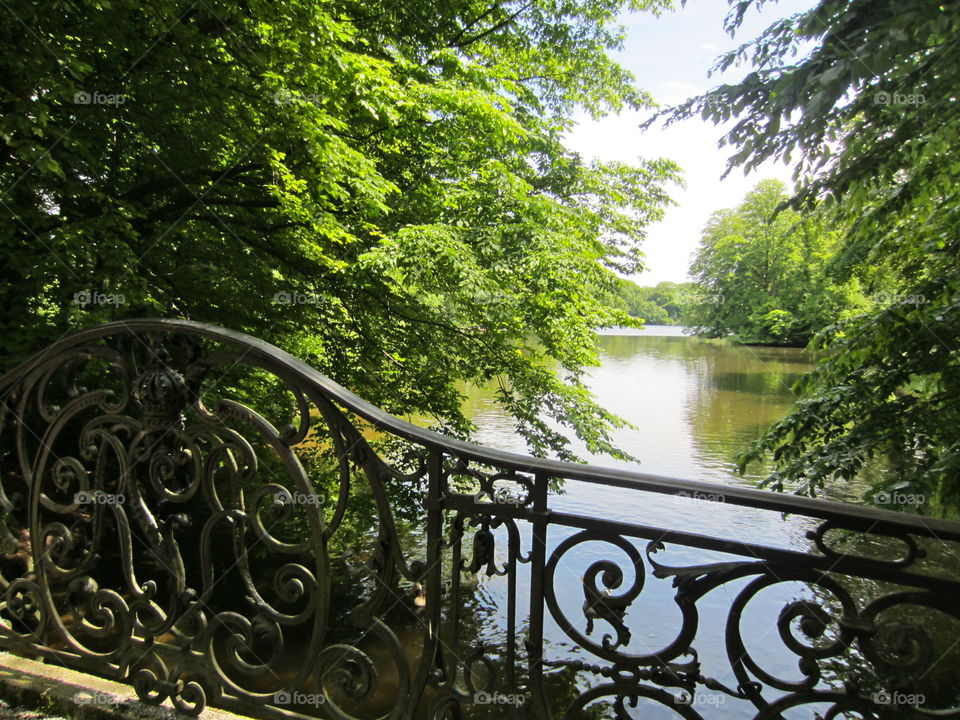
<point x="398" y="165"/>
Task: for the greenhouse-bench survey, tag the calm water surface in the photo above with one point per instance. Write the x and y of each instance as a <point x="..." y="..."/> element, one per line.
<point x="694" y="403"/>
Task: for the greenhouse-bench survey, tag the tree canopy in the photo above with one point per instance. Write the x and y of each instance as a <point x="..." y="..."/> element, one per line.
<point x="863" y="94"/>
<point x="761" y="273"/>
<point x="379" y="187"/>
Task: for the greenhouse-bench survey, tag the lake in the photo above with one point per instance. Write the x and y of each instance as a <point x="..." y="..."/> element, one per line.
<point x="694" y="403"/>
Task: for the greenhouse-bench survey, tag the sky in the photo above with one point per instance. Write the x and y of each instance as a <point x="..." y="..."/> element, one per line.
<point x="670" y="57"/>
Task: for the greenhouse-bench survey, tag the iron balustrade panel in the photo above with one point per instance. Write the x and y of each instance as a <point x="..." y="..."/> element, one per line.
<point x="206" y="551"/>
<point x="864" y="636"/>
<point x="196" y="513"/>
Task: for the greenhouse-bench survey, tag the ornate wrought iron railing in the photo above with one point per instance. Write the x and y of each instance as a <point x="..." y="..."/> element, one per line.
<point x="303" y="553"/>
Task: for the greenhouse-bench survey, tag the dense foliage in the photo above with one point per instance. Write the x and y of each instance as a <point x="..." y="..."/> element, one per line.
<point x="870" y="109"/>
<point x="762" y="274"/>
<point x="666" y="303"/>
<point x="379" y="187"/>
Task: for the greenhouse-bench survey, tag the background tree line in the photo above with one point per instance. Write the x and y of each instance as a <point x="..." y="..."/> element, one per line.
<point x="666" y="303"/>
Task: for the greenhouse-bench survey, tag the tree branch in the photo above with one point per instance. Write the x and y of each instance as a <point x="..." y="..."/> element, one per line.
<point x="499" y="26"/>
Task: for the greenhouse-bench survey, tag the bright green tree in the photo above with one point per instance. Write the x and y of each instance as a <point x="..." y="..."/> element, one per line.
<point x="674" y="298"/>
<point x="761" y="273"/>
<point x="869" y="108"/>
<point x="379" y="187"/>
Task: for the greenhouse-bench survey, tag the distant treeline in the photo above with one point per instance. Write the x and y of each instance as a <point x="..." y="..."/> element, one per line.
<point x="666" y="303"/>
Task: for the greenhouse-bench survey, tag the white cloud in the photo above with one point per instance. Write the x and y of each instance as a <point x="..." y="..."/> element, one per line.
<point x="693" y="145"/>
<point x="672" y="92"/>
<point x="663" y="54"/>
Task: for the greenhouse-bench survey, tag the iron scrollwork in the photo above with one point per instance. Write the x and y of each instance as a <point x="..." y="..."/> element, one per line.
<point x="195" y="513"/>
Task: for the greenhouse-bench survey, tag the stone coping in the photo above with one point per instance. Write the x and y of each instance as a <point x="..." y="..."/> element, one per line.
<point x="55" y="690"/>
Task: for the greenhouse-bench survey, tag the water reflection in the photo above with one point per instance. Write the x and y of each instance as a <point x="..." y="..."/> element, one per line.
<point x="693" y="403"/>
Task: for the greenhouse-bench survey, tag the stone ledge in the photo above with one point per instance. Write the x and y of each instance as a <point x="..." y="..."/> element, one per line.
<point x="56" y="690"/>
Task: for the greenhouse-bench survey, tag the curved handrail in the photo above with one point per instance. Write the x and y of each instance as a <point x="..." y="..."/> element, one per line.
<point x="853" y="516"/>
